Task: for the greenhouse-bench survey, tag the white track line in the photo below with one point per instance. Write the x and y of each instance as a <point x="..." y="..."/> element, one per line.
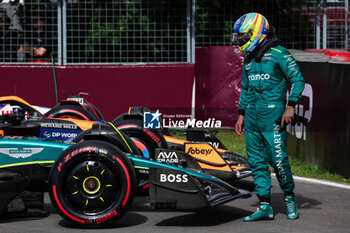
<point x="317" y="181"/>
<point x="323" y="182"/>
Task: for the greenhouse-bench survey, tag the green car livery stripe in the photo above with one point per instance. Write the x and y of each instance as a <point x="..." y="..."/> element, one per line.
<point x="27" y="163"/>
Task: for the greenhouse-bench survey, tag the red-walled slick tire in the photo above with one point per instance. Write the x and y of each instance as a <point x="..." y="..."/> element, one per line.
<point x="92" y="184"/>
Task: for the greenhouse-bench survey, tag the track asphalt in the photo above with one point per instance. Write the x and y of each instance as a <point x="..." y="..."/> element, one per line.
<point x="323" y="208"/>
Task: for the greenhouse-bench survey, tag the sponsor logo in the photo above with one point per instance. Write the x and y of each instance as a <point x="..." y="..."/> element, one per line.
<point x="251" y="47"/>
<point x="13" y="137"/>
<point x="172" y="178"/>
<point x="47" y="134"/>
<point x="290" y="58"/>
<point x="151" y="120"/>
<point x="168" y="157"/>
<point x="143" y="171"/>
<point x="238" y="24"/>
<point x="6" y="109"/>
<point x="154" y="137"/>
<point x="306" y="111"/>
<point x="278" y="153"/>
<point x="106" y="217"/>
<point x="79" y="100"/>
<point x="103" y="151"/>
<point x="266" y="57"/>
<point x="214" y="144"/>
<point x="67" y="135"/>
<point x="57" y="134"/>
<point x="74" y="153"/>
<point x="193" y="123"/>
<point x="20" y="153"/>
<point x="196" y="151"/>
<point x="59" y="126"/>
<point x="258" y="77"/>
<point x="248" y="66"/>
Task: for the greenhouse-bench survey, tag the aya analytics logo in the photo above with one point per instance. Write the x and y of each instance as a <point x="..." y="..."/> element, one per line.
<point x="152" y="120"/>
<point x="168" y="157"/>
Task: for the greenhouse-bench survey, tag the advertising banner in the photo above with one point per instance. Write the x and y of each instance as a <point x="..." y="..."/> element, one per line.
<point x="111" y="88"/>
<point x="325" y="140"/>
<point x="218" y="79"/>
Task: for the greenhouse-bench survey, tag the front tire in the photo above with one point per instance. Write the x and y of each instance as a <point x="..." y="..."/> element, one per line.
<point x="92" y="184"/>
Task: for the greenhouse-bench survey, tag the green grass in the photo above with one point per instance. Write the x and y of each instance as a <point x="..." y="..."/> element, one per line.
<point x="300" y="168"/>
<point x="236" y="143"/>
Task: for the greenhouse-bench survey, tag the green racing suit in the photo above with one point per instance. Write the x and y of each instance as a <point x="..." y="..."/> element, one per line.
<point x="263" y="101"/>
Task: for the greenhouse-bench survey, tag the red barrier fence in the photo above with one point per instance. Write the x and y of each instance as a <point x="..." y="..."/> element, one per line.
<point x="325" y="141"/>
<point x="334" y="54"/>
<point x="218" y="83"/>
<point x="111" y="88"/>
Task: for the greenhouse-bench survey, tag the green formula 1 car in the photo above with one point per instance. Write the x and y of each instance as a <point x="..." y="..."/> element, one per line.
<point x="93" y="183"/>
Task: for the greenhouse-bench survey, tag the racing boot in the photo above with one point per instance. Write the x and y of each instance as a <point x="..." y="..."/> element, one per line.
<point x="292" y="208"/>
<point x="264" y="212"/>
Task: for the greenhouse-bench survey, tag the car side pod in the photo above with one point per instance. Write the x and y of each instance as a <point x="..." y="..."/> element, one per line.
<point x="212" y="162"/>
<point x="189" y="190"/>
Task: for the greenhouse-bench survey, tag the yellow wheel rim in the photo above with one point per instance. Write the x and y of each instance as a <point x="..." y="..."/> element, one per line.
<point x="91" y="185"/>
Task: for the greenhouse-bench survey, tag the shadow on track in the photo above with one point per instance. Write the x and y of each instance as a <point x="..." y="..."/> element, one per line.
<point x="208" y="217"/>
<point x="277" y="202"/>
<point x="129" y="219"/>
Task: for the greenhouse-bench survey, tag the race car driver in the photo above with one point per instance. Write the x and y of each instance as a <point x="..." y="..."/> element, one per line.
<point x="268" y="68"/>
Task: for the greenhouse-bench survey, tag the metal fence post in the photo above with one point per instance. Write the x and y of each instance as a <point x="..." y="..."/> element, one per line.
<point x="324" y="26"/>
<point x="193" y="30"/>
<point x="64" y="32"/>
<point x="318" y="26"/>
<point x="346" y="25"/>
<point x="191" y="45"/>
<point x="188" y="30"/>
<point x="61" y="32"/>
<point x="191" y="40"/>
<point x="59" y="35"/>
